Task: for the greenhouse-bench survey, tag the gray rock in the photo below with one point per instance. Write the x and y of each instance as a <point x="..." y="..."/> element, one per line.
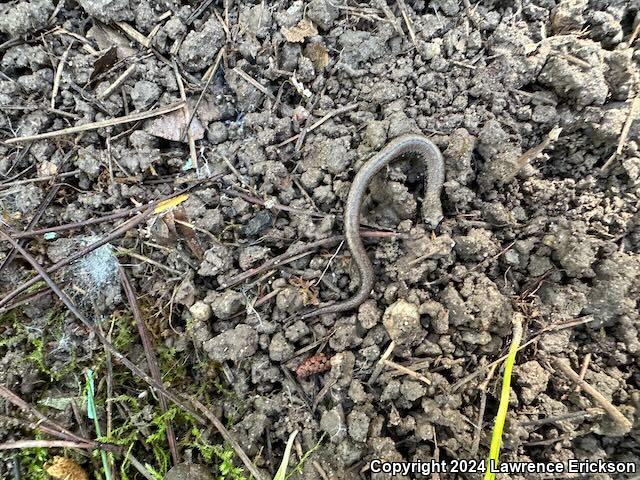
<point x="323" y="12"/>
<point x="289" y="300"/>
<point x="258" y="224"/>
<point x="533" y="379"/>
<point x="216" y="260"/>
<point x="107" y="11"/>
<point x="439" y="316"/>
<point x="144" y="94"/>
<point x="200" y="47"/>
<point x="477" y="245"/>
<point x="234" y="345"/>
<point x="18" y="18"/>
<point x="200" y="311"/>
<point x="581" y="85"/>
<point x="333" y="424"/>
<point x="369" y="314"/>
<point x="189" y="471"/>
<point x="251" y="255"/>
<point x="412" y="390"/>
<point x="402" y="322"/>
<point x="225" y="305"/>
<point x="297" y="331"/>
<point x="358" y="425"/>
<point x="279" y="349"/>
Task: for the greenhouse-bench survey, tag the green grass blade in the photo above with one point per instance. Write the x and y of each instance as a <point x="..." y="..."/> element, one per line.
<point x="93" y="415"/>
<point x="496" y="438"/>
<point x="281" y="474"/>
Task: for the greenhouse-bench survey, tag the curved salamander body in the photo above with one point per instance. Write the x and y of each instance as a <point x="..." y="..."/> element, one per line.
<point x="406" y="146"/>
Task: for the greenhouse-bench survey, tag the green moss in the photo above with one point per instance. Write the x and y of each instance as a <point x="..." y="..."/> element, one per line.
<point x="38" y="352"/>
<point x="32" y="462"/>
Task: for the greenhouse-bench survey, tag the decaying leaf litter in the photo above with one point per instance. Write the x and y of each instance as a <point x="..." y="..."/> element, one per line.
<point x="256" y="116"/>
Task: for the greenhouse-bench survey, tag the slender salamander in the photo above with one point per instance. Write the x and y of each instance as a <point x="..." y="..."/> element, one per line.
<point x="406" y="146"/>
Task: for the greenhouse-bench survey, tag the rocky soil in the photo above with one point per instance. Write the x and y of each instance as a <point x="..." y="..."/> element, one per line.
<point x="533" y="104"/>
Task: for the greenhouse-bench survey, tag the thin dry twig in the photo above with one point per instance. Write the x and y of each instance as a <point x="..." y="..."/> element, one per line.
<point x="43" y="421"/>
<point x="84" y="223"/>
<point x="328" y="116"/>
<point x="380" y="365"/>
<point x="407" y="371"/>
<point x="254" y="82"/>
<point x="293" y="252"/>
<point x="407" y="21"/>
<point x="210" y="74"/>
<point x="634" y="109"/>
<point x="236" y="192"/>
<point x="34" y="220"/>
<point x="135" y="117"/>
<point x="152" y="362"/>
<point x="228" y="438"/>
<point x="563" y="365"/>
<point x="583" y="369"/>
<point x="553" y="328"/>
<point x="187" y="115"/>
<point x="116" y="83"/>
<point x="56" y="80"/>
<point x="20" y="444"/>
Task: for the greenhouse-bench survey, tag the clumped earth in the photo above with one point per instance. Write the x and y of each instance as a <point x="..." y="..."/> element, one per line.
<point x="296" y="96"/>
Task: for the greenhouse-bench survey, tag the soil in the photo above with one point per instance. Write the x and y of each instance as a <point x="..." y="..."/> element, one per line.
<point x="295" y="97"/>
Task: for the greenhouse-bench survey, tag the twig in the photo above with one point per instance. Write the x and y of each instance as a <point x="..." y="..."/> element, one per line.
<point x="56" y="80"/>
<point x="148" y="260"/>
<point x="187" y="115"/>
<point x="338" y="111"/>
<point x="116" y="83"/>
<point x="134" y="34"/>
<point x="34" y="220"/>
<point x="407" y="21"/>
<point x="633" y="113"/>
<point x="380" y="365"/>
<point x="532" y="153"/>
<point x="563" y="365"/>
<point x="287" y="256"/>
<point x="228" y="438"/>
<point x="152" y="362"/>
<point x="135" y="117"/>
<point x="583" y="369"/>
<point x="254" y="82"/>
<point x="335" y="254"/>
<point x="20" y="444"/>
<point x="84" y="223"/>
<point x="45" y="178"/>
<point x="483" y="405"/>
<point x="50" y="425"/>
<point x="210" y="74"/>
<point x="553" y="328"/>
<point x="407" y="371"/>
<point x="277" y="206"/>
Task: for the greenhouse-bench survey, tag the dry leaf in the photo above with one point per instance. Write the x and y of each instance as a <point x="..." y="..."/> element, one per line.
<point x="63" y="468"/>
<point x="298" y="33"/>
<point x="104" y="62"/>
<point x="172" y="125"/>
<point x="317" y="53"/>
<point x="107" y="37"/>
